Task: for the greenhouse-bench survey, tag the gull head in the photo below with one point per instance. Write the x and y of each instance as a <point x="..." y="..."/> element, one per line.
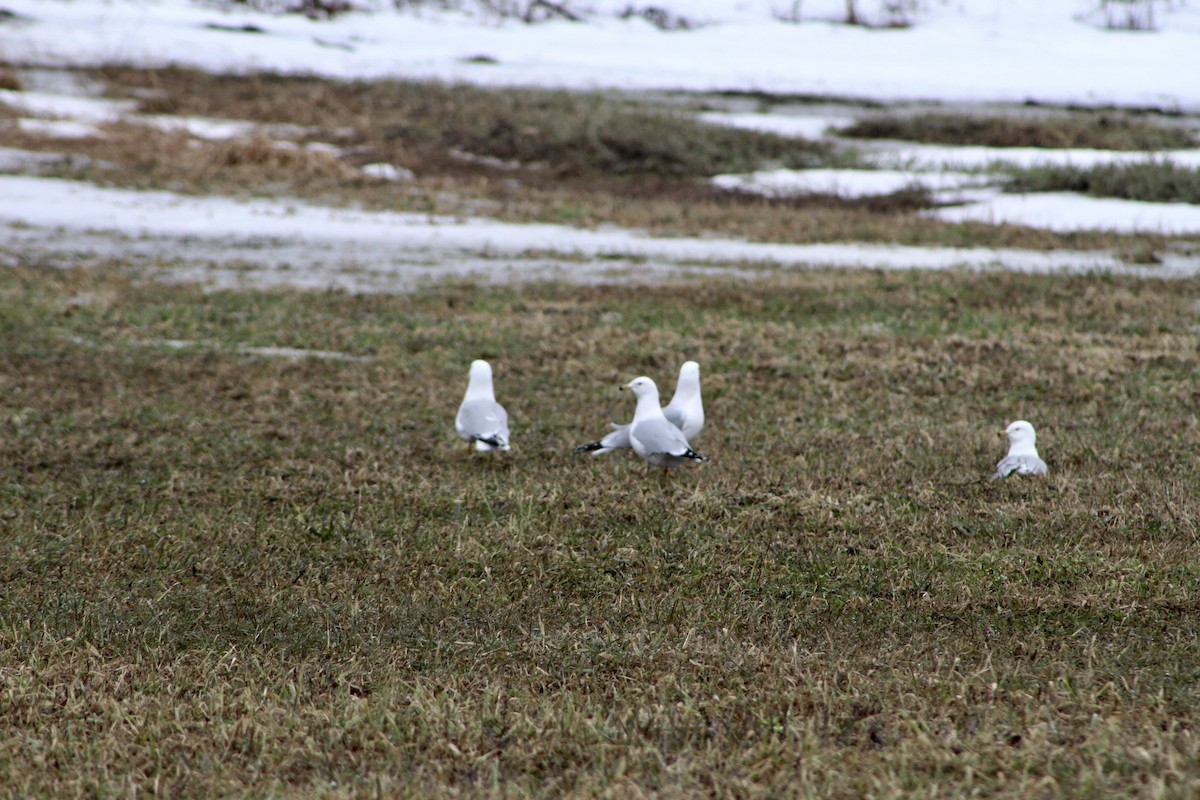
<point x="479" y="384"/>
<point x="689" y="375"/>
<point x="643" y="387"/>
<point x="481" y="371"/>
<point x="1020" y="434"/>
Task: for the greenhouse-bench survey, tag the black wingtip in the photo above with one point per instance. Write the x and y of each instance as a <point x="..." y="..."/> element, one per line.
<point x="590" y="447"/>
<point x="694" y="456"/>
<point x="494" y="441"/>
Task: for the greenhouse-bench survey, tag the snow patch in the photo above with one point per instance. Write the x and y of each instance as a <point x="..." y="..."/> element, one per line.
<point x="1063" y="211"/>
<point x="58" y="128"/>
<point x="846" y="183"/>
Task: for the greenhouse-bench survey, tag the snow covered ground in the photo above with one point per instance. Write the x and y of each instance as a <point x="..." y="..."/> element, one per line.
<point x="956" y="51"/>
<point x="1051" y="51"/>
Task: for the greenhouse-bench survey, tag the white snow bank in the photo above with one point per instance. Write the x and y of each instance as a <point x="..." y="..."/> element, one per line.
<point x="967" y="50"/>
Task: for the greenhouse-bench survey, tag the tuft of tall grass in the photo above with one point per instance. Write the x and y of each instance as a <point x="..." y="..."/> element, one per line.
<point x="272" y="158"/>
<point x="1101" y="131"/>
<point x="572" y="134"/>
<point x="1152" y="181"/>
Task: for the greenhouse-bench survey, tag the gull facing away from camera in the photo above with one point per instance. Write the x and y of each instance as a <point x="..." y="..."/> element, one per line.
<point x="685" y="412"/>
<point x="1022" y="458"/>
<point x="652" y="435"/>
<point x="481" y="420"/>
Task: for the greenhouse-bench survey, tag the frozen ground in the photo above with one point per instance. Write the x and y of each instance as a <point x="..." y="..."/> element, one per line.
<point x="963" y="51"/>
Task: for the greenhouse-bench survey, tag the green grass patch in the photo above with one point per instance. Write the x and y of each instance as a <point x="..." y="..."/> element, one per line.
<point x="1079" y="129"/>
<point x="1152" y="181"/>
<point x="224" y="574"/>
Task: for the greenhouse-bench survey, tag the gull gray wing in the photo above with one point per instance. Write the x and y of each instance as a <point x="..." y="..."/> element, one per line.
<point x="659" y="436"/>
<point x="483" y="421"/>
<point x="676" y="416"/>
<point x="1020" y="465"/>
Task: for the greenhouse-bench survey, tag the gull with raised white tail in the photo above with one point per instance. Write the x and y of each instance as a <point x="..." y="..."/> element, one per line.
<point x="651" y="435"/>
<point x="481" y="420"/>
<point x="1022" y="458"/>
<point x="685" y="412"/>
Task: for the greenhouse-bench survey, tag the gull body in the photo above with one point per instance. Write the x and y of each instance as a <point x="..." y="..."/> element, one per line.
<point x="481" y="420"/>
<point x="1022" y="458"/>
<point x="685" y="412"/>
<point x="651" y="435"/>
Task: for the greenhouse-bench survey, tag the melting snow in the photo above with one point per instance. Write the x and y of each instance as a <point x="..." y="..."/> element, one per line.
<point x="1061" y="211"/>
<point x="260" y="243"/>
<point x="846" y="183"/>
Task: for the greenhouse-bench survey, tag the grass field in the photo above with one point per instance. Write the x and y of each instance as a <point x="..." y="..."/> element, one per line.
<point x="233" y="575"/>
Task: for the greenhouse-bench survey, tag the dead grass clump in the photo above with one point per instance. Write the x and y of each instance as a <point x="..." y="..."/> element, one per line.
<point x="271" y="158"/>
<point x="9" y="81"/>
<point x="1101" y="131"/>
<point x="574" y="134"/>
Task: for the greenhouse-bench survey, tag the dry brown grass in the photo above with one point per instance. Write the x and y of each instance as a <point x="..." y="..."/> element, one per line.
<point x="261" y="155"/>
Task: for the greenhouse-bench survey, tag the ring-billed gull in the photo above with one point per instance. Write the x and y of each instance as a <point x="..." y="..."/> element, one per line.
<point x="685" y="411"/>
<point x="1022" y="458"/>
<point x="652" y="435"/>
<point x="481" y="420"/>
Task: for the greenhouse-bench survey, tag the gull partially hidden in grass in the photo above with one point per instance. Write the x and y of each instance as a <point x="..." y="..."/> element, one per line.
<point x="1022" y="458"/>
<point x="481" y="420"/>
<point x="652" y="435"/>
<point x="685" y="412"/>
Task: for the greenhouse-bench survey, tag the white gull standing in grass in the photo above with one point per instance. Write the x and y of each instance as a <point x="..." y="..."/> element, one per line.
<point x="481" y="420"/>
<point x="685" y="412"/>
<point x="652" y="435"/>
<point x="1022" y="458"/>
